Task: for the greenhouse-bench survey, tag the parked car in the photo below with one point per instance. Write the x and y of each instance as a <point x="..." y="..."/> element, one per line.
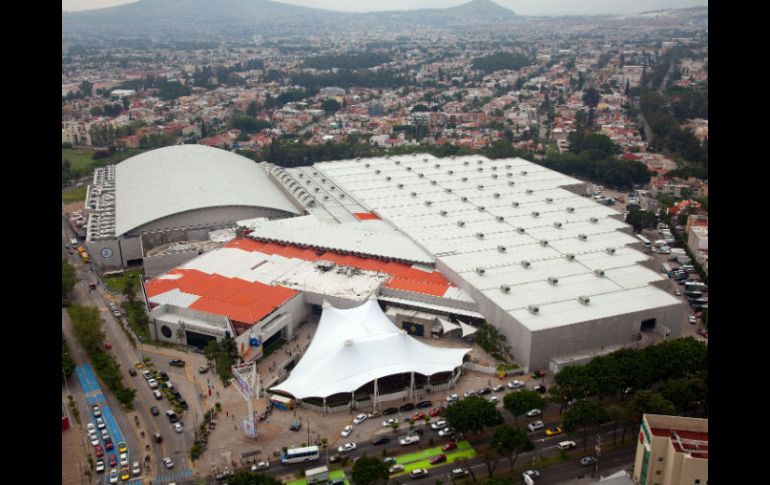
<point x="566" y="445"/>
<point x="469" y="393"/>
<point x="176" y="362"/>
<point x="261" y="465"/>
<point x="441" y="424"/>
<point x="108" y="444"/>
<point x="692" y="320"/>
<point x="407" y="407"/>
<point x="132" y="372"/>
<point x="389" y="411"/>
<point x="534" y="412"/>
<point x="136" y="470"/>
<point x="124" y="474"/>
<point x="334" y="458"/>
<point x="437" y="411"/>
<point x="418" y="473"/>
<point x="438" y="459"/>
<point x="347" y="447"/>
<point x="172" y="417"/>
<point x="178" y="427"/>
<point x="168" y="463"/>
<point x="380" y="440"/>
<point x="540" y="389"/>
<point x="535" y="426"/>
<point x="114" y="475"/>
<point x="494" y="399"/>
<point x="359" y="419"/>
<point x="100" y="423"/>
<point x="460" y="472"/>
<point x="446" y="432"/>
<point x="99" y="451"/>
<point x="155" y="411"/>
<point x="96" y="411"/>
<point x="395" y="469"/>
<point x="99" y="466"/>
<point x="107" y="345"/>
<point x="515" y="385"/>
<point x="484" y="390"/>
<point x="554" y="431"/>
<point x="452" y="398"/>
<point x="499" y="388"/>
<point x="531" y="474"/>
<point x="587" y="461"/>
<point x="449" y="446"/>
<point x="424" y="404"/>
<point x="409" y="440"/>
<point x="152" y="383"/>
<point x="346" y="431"/>
<point x="203" y="369"/>
<point x="389" y="460"/>
<point x="389" y="422"/>
<point x="113" y="460"/>
<point x="418" y="417"/>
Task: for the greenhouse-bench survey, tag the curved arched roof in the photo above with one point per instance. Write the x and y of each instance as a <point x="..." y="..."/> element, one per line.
<point x="358" y="345"/>
<point x="181" y="178"/>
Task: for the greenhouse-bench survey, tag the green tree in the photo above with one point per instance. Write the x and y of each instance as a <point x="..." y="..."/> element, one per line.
<point x="126" y="397"/>
<point x="87" y="327"/>
<point x="518" y="403"/>
<point x="640" y="219"/>
<point x="577" y="381"/>
<point x="368" y="470"/>
<point x="86" y="88"/>
<point x="129" y="289"/>
<point x="68" y="280"/>
<point x="252" y="109"/>
<point x="67" y="363"/>
<point x="591" y="97"/>
<point x="472" y="414"/>
<point x="331" y="106"/>
<point x="252" y="478"/>
<point x="510" y="442"/>
<point x="649" y="402"/>
<point x="584" y="416"/>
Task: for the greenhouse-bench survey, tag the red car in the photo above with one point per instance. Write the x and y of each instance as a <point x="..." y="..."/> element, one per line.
<point x="703" y="332"/>
<point x="437" y="411"/>
<point x="99" y="451"/>
<point x="438" y="459"/>
<point x="108" y="443"/>
<point x="449" y="446"/>
<point x="107" y="345"/>
<point x="113" y="460"/>
<point x="418" y="417"/>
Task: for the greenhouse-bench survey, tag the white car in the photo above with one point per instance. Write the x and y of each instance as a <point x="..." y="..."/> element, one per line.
<point x="534" y="412"/>
<point x="494" y="399"/>
<point x="535" y="426"/>
<point x="453" y="398"/>
<point x="566" y="445"/>
<point x="153" y="383"/>
<point x="157" y="394"/>
<point x="124" y="459"/>
<point x="136" y="470"/>
<point x="499" y="388"/>
<point x="446" y="432"/>
<point x="105" y="434"/>
<point x="359" y="419"/>
<point x="93" y="438"/>
<point x="692" y="320"/>
<point x="178" y="427"/>
<point x="99" y="465"/>
<point x="395" y="469"/>
<point x="347" y="447"/>
<point x="90" y="427"/>
<point x="409" y="439"/>
<point x="147" y="374"/>
<point x="439" y="424"/>
<point x="168" y="462"/>
<point x="100" y="423"/>
<point x="469" y="393"/>
<point x="515" y="385"/>
<point x="389" y="422"/>
<point x="262" y="465"/>
<point x="114" y="475"/>
<point x="346" y="431"/>
<point x="531" y="474"/>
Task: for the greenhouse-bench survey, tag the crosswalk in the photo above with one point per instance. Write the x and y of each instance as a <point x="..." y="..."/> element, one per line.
<point x="172" y="476"/>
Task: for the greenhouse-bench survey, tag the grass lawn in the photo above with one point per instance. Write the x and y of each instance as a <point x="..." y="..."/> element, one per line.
<point x="75" y="195"/>
<point x="117" y="283"/>
<point x="421" y="459"/>
<point x="332" y="475"/>
<point x="81" y="161"/>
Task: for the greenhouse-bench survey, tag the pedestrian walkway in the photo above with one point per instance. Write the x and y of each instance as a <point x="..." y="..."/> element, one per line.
<point x="172" y="476"/>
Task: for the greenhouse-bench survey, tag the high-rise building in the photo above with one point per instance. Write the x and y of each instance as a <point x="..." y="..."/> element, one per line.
<point x="672" y="450"/>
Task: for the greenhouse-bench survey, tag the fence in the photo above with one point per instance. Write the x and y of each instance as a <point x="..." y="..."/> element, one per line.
<point x="480" y="368"/>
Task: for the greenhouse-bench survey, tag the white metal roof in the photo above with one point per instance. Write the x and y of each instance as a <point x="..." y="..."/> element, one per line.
<point x="513" y="219"/>
<point x="352" y="347"/>
<point x="181" y="178"/>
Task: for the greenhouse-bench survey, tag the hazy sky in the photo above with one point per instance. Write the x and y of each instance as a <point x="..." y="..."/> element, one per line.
<point x="523" y="7"/>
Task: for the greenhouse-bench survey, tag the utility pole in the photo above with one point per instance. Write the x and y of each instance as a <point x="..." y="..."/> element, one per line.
<point x="598" y="452"/>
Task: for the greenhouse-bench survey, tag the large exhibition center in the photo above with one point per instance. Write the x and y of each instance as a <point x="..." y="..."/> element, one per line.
<point x="434" y="241"/>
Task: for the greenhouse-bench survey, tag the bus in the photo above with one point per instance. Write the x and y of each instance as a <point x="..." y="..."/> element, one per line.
<point x="299" y="455"/>
<point x="644" y="240"/>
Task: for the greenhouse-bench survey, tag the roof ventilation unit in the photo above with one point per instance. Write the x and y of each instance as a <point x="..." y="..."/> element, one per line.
<point x="358" y="159"/>
<point x="377" y="171"/>
<point x="557" y="225"/>
<point x="496" y="195"/>
<point x="301" y="175"/>
<point x="443" y="213"/>
<point x="480" y="187"/>
<point x="500" y="218"/>
<point x="553" y="280"/>
<point x="400" y="186"/>
<point x="461" y="223"/>
<point x="584" y="300"/>
<point x="448" y="190"/>
<point x="511" y="183"/>
<point x="514" y="204"/>
<point x="433" y="182"/>
<point x="408" y="169"/>
<point x="494" y="167"/>
<point x="326" y="197"/>
<point x="582" y="237"/>
<point x="481" y="208"/>
<point x="599" y="273"/>
<point x="526" y="264"/>
<point x="520" y="230"/>
<point x="480" y="235"/>
<point x="367" y="166"/>
<point x="420" y="175"/>
<point x="594" y="220"/>
<point x="428" y="202"/>
<point x="480" y="271"/>
<point x="570" y="209"/>
<point x="466" y="162"/>
<point x="529" y="191"/>
<point x="388" y="178"/>
<point x="494" y="175"/>
<point x="509" y="174"/>
<point x="464" y="198"/>
<point x="505" y="288"/>
<point x="524" y="172"/>
<point x="543" y="242"/>
<point x="453" y="156"/>
<point x="342" y="196"/>
<point x="501" y="249"/>
<point x="438" y="165"/>
<point x="480" y="169"/>
<point x="316" y="189"/>
<point x="610" y="250"/>
<point x="548" y="200"/>
<point x="450" y="172"/>
<point x="464" y="179"/>
<point x="533" y="309"/>
<point x="535" y="214"/>
<point x="480" y="162"/>
<point x="570" y="257"/>
<point x="424" y="160"/>
<point x="397" y="162"/>
<point x="413" y="194"/>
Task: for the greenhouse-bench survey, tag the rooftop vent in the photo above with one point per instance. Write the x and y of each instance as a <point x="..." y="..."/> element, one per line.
<point x="377" y="171"/>
<point x="548" y="200"/>
<point x="524" y="172"/>
<point x="448" y="190"/>
<point x="533" y="309"/>
<point x="582" y="237"/>
<point x="397" y="162"/>
<point x="520" y="230"/>
<point x="316" y="189"/>
<point x="480" y="235"/>
<point x="450" y="172"/>
<point x="610" y="250"/>
<point x="543" y="242"/>
<point x="480" y="169"/>
<point x="461" y="223"/>
<point x="464" y="179"/>
<point x="496" y="195"/>
<point x="408" y="169"/>
<point x="367" y="166"/>
<point x="500" y="218"/>
<point x="428" y="202"/>
<point x="481" y="208"/>
<point x="526" y="264"/>
<point x="480" y="271"/>
<point x="494" y="175"/>
<point x="494" y="167"/>
<point x="464" y="198"/>
<point x="424" y="160"/>
<point x="443" y="213"/>
<point x="535" y="214"/>
<point x="480" y="187"/>
<point x="584" y="300"/>
<point x="514" y="204"/>
<point x="301" y="175"/>
<point x="570" y="257"/>
<point x="466" y="162"/>
<point x="529" y="191"/>
<point x="388" y="178"/>
<point x="553" y="280"/>
<point x="421" y="175"/>
<point x="557" y="225"/>
<point x="509" y="174"/>
<point x="413" y="194"/>
<point x="594" y="220"/>
<point x="400" y="186"/>
<point x="480" y="162"/>
<point x="599" y="273"/>
<point x="505" y="288"/>
<point x="438" y="165"/>
<point x="433" y="182"/>
<point x="501" y="249"/>
<point x="570" y="209"/>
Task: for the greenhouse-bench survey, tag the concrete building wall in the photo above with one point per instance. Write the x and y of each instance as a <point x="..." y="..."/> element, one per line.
<point x="174" y="317"/>
<point x="130" y="248"/>
<point x="212" y="216"/>
<point x="157" y="265"/>
<point x="95" y="251"/>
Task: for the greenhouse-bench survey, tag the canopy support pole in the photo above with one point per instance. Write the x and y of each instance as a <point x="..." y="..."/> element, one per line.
<point x="376" y="395"/>
<point x="324" y="410"/>
<point x="411" y="386"/>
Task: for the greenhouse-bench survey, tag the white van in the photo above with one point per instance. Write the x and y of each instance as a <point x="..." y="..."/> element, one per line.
<point x="566" y="445"/>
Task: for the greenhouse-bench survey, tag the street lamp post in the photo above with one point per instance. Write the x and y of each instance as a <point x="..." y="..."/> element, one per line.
<point x="141" y="347"/>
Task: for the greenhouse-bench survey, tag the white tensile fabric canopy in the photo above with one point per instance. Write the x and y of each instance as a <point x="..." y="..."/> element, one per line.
<point x="467" y="329"/>
<point x="358" y="345"/>
<point x="448" y="326"/>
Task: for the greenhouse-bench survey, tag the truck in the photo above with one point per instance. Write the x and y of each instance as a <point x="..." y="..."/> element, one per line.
<point x="74" y="242"/>
<point x="317" y="475"/>
<point x="81" y="249"/>
<point x="85" y="257"/>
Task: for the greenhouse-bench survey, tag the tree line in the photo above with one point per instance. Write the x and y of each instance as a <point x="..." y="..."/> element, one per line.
<point x="363" y="60"/>
<point x="500" y="61"/>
